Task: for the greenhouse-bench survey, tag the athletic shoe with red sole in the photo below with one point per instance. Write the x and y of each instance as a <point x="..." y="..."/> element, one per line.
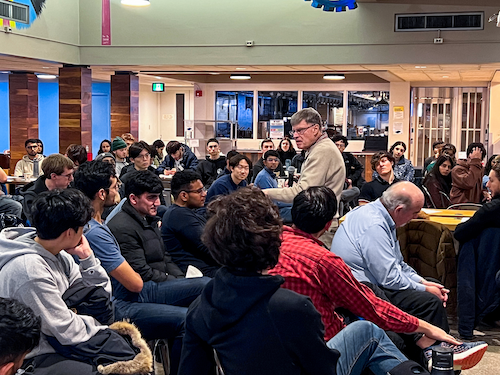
<point x="465" y="356"/>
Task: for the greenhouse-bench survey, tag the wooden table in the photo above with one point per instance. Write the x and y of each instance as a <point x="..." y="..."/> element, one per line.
<point x="448" y="213"/>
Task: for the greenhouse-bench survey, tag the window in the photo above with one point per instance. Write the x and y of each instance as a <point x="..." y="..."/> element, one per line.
<point x="368" y="113"/>
<point x="330" y="105"/>
<point x="440" y="21"/>
<point x="276" y="105"/>
<point x="234" y="109"/>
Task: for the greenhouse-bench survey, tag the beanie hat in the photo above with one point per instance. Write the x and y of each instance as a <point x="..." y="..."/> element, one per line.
<point x="105" y="155"/>
<point x="118" y="143"/>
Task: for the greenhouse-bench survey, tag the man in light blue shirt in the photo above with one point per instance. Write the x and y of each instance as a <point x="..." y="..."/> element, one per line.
<point x="367" y="242"/>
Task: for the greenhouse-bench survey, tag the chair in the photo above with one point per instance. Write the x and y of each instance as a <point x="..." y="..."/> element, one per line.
<point x="161" y="357"/>
<point x="465" y="206"/>
<point x="218" y="366"/>
<point x="428" y="196"/>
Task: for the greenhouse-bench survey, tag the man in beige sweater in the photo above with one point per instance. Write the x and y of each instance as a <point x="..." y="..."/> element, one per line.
<point x="323" y="165"/>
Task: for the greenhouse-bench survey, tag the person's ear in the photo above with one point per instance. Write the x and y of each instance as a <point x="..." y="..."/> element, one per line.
<point x="7" y="369"/>
<point x="184" y="196"/>
<point x="102" y="194"/>
<point x="133" y="199"/>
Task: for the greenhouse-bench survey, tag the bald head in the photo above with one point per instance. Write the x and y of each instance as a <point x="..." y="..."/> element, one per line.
<point x="403" y="201"/>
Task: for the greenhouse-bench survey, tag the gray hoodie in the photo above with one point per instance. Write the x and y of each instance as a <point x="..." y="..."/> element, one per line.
<point x="34" y="276"/>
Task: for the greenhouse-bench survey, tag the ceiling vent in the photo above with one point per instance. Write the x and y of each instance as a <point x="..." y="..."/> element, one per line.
<point x="14" y="11"/>
<point x="439" y="21"/>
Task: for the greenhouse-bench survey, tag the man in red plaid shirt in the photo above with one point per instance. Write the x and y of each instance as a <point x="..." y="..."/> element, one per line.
<point x="312" y="270"/>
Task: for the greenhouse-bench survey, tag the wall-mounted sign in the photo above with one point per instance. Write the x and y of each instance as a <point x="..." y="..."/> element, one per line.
<point x="399" y="113"/>
<point x="276" y="129"/>
<point x="334" y="5"/>
<point x="158" y="87"/>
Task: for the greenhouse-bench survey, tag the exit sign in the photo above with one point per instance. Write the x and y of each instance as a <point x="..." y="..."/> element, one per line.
<point x="158" y="87"/>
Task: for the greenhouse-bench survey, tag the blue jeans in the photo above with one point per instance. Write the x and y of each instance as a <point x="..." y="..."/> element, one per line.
<point x="363" y="345"/>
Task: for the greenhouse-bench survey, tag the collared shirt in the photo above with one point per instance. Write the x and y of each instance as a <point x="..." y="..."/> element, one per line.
<point x="367" y="243"/>
<point x="312" y="270"/>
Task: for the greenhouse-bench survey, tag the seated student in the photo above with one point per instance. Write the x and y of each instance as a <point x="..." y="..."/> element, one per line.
<point x="179" y="157"/>
<point x="353" y="168"/>
<point x="240" y="166"/>
<point x="19" y="334"/>
<point x="77" y="154"/>
<point x="438" y="183"/>
<point x="213" y="165"/>
<point x="286" y="150"/>
<point x="120" y="150"/>
<point x="105" y="146"/>
<point x="226" y="170"/>
<point x="493" y="159"/>
<point x="266" y="145"/>
<point x="157" y="149"/>
<point x="37" y="269"/>
<point x="256" y="327"/>
<point x="182" y="226"/>
<point x="467" y="176"/>
<point x="310" y="269"/>
<point x="403" y="168"/>
<point x="57" y="174"/>
<point x="436" y="147"/>
<point x="25" y="165"/>
<point x="446" y="149"/>
<point x="97" y="180"/>
<point x="8" y="205"/>
<point x="382" y="163"/>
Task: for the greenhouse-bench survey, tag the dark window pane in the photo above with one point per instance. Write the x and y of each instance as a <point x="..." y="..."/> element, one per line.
<point x="467" y="20"/>
<point x="405" y="23"/>
<point x="439" y="22"/>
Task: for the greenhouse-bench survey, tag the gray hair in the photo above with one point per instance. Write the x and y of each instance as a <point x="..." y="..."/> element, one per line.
<point x="310" y="115"/>
<point x="394" y="197"/>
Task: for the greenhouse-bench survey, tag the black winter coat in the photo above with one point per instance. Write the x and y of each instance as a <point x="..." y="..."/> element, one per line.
<point x="142" y="246"/>
<point x="209" y="169"/>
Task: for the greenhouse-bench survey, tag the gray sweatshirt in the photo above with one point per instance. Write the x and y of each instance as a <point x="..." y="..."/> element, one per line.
<point x="34" y="276"/>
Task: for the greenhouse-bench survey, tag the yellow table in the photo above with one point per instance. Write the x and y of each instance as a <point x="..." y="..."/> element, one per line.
<point x="448" y="213"/>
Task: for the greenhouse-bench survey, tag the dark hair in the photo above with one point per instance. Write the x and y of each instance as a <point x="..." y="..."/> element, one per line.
<point x="235" y="160"/>
<point x="340" y="137"/>
<point x="173" y="147"/>
<point x="290" y="149"/>
<point x="20" y="330"/>
<point x="444" y="181"/>
<point x="77" y="154"/>
<point x="398" y="143"/>
<point x="100" y="146"/>
<point x="56" y="163"/>
<point x="271" y="153"/>
<point x="487" y="168"/>
<point x="182" y="180"/>
<point x="158" y="143"/>
<point x="478" y="145"/>
<point x="437" y="143"/>
<point x="39" y="141"/>
<point x="267" y="140"/>
<point x="231" y="153"/>
<point x="56" y="211"/>
<point x="94" y="176"/>
<point x="313" y="208"/>
<point x="496" y="168"/>
<point x="212" y="140"/>
<point x="31" y="140"/>
<point x="136" y="148"/>
<point x="449" y="147"/>
<point x="141" y="182"/>
<point x="379" y="155"/>
<point x="244" y="230"/>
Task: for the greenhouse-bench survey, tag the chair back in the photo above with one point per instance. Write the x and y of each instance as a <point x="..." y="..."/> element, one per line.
<point x="218" y="366"/>
<point x="428" y="197"/>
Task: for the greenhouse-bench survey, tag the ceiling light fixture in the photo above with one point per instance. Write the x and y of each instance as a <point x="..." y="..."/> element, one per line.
<point x="240" y="76"/>
<point x="241" y="68"/>
<point x="136" y="3"/>
<point x="420" y="67"/>
<point x="46" y="76"/>
<point x="334" y="77"/>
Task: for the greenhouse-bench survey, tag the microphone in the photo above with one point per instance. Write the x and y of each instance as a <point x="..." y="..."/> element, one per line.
<point x="291" y="171"/>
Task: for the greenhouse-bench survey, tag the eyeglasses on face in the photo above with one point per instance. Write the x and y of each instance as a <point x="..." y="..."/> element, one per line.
<point x="32" y="147"/>
<point x="300" y="131"/>
<point x="272" y="160"/>
<point x="143" y="156"/>
<point x="197" y="191"/>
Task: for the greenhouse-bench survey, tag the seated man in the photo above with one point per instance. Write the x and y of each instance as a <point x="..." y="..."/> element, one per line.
<point x="57" y="174"/>
<point x="239" y="166"/>
<point x="353" y="168"/>
<point x="256" y="327"/>
<point x="467" y="176"/>
<point x="226" y="170"/>
<point x="182" y="226"/>
<point x="25" y="165"/>
<point x="19" y="334"/>
<point x="77" y="154"/>
<point x="266" y="145"/>
<point x="37" y="269"/>
<point x="312" y="270"/>
<point x="179" y="157"/>
<point x="8" y="205"/>
<point x="382" y="163"/>
<point x="120" y="150"/>
<point x="367" y="243"/>
<point x="136" y="230"/>
<point x="97" y="180"/>
<point x="214" y="163"/>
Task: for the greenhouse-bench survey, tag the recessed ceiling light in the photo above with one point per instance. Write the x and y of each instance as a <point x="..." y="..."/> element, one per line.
<point x="46" y="76"/>
<point x="446" y="76"/>
<point x="158" y="77"/>
<point x="136" y="3"/>
<point x="240" y="76"/>
<point x="45" y="67"/>
<point x="214" y="73"/>
<point x="4" y="72"/>
<point x="334" y="77"/>
<point x="420" y="67"/>
<point x="241" y="68"/>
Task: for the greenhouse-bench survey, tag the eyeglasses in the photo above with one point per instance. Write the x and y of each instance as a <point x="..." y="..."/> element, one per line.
<point x="197" y="191"/>
<point x="272" y="160"/>
<point x="300" y="131"/>
<point x="32" y="147"/>
<point x="145" y="156"/>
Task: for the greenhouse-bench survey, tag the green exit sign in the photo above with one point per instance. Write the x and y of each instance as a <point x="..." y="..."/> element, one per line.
<point x="158" y="87"/>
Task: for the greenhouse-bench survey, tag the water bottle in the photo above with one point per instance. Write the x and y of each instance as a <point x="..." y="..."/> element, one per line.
<point x="36" y="167"/>
<point x="288" y="163"/>
<point x="442" y="361"/>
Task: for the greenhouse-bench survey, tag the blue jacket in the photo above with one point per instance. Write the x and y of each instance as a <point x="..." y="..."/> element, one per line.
<point x="266" y="179"/>
<point x="189" y="161"/>
<point x="477" y="266"/>
<point x="223" y="186"/>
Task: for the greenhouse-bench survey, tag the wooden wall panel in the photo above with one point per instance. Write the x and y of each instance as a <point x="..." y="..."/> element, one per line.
<point x="124" y="104"/>
<point x="23" y="108"/>
<point x="75" y="107"/>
